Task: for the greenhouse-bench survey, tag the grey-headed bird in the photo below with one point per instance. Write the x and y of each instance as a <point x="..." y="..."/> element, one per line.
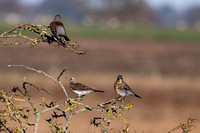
<point x="58" y="29"/>
<point x="80" y="89"/>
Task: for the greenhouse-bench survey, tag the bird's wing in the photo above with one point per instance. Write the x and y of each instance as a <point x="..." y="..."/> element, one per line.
<point x="79" y="86"/>
<point x="53" y="28"/>
<point x="126" y="87"/>
<point x="61" y="30"/>
<point x="57" y="28"/>
<point x="129" y="90"/>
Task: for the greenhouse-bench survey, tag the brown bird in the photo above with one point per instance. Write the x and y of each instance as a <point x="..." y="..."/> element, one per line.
<point x="80" y="89"/>
<point x="58" y="29"/>
<point x="122" y="89"/>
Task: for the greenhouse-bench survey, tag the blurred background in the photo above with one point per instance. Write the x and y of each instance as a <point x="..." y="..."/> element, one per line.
<point x="179" y="14"/>
<point x="154" y="44"/>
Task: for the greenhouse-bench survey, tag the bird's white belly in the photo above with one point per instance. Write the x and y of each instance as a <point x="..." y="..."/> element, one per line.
<point x="121" y="93"/>
<point x="81" y="92"/>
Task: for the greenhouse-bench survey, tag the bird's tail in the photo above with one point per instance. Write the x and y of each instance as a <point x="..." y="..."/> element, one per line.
<point x="137" y="96"/>
<point x="66" y="38"/>
<point x="98" y="91"/>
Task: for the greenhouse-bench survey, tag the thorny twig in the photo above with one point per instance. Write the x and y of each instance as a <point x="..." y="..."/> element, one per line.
<point x="46" y="75"/>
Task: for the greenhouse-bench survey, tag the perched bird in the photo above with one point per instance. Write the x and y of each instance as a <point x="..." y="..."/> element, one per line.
<point x="58" y="29"/>
<point x="79" y="88"/>
<point x="122" y="88"/>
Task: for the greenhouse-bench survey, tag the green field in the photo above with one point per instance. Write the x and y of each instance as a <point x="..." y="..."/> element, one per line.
<point x="134" y="33"/>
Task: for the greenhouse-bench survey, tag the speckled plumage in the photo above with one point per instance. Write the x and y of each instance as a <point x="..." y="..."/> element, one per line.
<point x="122" y="89"/>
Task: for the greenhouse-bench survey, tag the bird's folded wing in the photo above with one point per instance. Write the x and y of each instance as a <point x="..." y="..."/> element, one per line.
<point x="79" y="86"/>
<point x="60" y="30"/>
<point x="126" y="87"/>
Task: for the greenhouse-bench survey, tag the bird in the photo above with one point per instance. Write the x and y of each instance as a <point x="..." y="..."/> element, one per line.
<point x="122" y="89"/>
<point x="58" y="30"/>
<point x="80" y="89"/>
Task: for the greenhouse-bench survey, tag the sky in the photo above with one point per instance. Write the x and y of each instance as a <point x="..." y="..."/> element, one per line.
<point x="178" y="5"/>
<point x="31" y="2"/>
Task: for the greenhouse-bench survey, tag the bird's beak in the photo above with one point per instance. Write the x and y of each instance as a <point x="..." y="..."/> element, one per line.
<point x="67" y="77"/>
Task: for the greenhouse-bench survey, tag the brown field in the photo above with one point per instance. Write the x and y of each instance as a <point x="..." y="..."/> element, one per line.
<point x="164" y="74"/>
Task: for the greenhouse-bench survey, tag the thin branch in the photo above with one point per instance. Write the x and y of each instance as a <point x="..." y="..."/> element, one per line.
<point x="186" y="127"/>
<point x="45" y="74"/>
<point x="15" y="115"/>
<point x="15" y="27"/>
<point x="101" y="105"/>
<point x="68" y="48"/>
<point x="37" y="119"/>
<point x="2" y="124"/>
<point x="58" y="78"/>
<point x="104" y="107"/>
<point x="41" y="30"/>
<point x="66" y="125"/>
<point x="29" y="100"/>
<point x="21" y="124"/>
<point x="52" y="108"/>
<point x="34" y="86"/>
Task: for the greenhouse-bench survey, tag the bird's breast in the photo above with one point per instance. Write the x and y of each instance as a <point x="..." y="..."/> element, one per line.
<point x="120" y="89"/>
<point x="119" y="86"/>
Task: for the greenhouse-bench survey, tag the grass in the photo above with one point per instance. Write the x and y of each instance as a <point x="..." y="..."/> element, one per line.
<point x="132" y="33"/>
<point x="136" y="33"/>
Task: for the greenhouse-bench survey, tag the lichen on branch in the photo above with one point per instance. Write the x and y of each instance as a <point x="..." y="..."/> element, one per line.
<point x="59" y="115"/>
<point x="26" y="38"/>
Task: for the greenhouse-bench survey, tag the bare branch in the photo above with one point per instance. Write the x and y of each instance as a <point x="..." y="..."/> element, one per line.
<point x="58" y="78"/>
<point x="66" y="125"/>
<point x="108" y="109"/>
<point x="32" y="85"/>
<point x="44" y="36"/>
<point x="52" y="108"/>
<point x="186" y="127"/>
<point x="37" y="119"/>
<point x="15" y="27"/>
<point x="11" y="108"/>
<point x="45" y="74"/>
